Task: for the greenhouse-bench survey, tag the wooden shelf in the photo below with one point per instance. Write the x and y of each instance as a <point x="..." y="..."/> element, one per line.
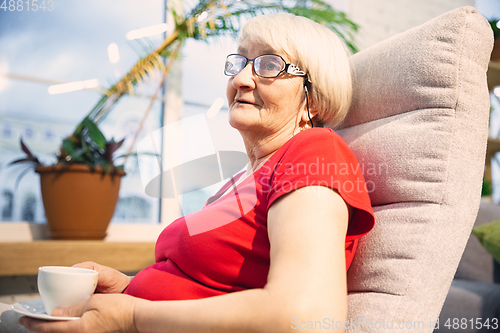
<point x="24" y="258"/>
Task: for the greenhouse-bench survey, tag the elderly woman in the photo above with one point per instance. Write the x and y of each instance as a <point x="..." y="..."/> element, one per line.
<point x="290" y="223"/>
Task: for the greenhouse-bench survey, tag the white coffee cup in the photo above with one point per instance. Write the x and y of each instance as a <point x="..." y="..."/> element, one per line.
<point x="61" y="287"/>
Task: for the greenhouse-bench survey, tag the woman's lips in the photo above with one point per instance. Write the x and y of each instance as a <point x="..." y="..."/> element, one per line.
<point x="244" y="102"/>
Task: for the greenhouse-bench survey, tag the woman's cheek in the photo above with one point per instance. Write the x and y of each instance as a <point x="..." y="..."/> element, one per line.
<point x="230" y="92"/>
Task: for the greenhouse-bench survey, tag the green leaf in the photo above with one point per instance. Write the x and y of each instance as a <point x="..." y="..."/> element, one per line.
<point x="68" y="146"/>
<point x="489" y="237"/>
<point x="77" y="153"/>
<point x="95" y="133"/>
<point x="98" y="107"/>
<point x="226" y="18"/>
<point x="487" y="188"/>
<point x="495" y="28"/>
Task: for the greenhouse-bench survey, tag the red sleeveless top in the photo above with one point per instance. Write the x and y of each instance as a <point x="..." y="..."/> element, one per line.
<point x="224" y="247"/>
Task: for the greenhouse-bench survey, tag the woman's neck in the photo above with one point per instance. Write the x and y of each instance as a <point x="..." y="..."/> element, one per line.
<point x="256" y="163"/>
<point x="259" y="150"/>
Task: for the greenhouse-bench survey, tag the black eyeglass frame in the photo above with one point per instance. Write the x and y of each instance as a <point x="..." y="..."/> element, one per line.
<point x="287" y="67"/>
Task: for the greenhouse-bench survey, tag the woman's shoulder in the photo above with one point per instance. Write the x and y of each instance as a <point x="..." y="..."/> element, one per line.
<point x="317" y="132"/>
<point x="317" y="141"/>
<point x="318" y="136"/>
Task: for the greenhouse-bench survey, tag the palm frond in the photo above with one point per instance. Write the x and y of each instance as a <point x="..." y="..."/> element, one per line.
<point x="205" y="19"/>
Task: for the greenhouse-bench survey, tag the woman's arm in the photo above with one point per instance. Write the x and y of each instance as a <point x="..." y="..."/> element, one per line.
<point x="306" y="282"/>
<point x="307" y="278"/>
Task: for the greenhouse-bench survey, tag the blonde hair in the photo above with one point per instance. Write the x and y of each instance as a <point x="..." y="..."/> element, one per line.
<point x="316" y="50"/>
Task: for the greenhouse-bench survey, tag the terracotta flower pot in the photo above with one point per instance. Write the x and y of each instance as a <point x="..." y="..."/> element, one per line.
<point x="79" y="203"/>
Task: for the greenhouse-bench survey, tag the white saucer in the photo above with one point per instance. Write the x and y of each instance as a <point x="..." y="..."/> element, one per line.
<point x="35" y="309"/>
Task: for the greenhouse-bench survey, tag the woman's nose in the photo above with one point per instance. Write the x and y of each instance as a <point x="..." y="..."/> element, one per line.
<point x="245" y="78"/>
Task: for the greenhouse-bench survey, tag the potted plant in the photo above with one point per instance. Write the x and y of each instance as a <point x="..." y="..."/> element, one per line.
<point x="67" y="192"/>
<point x="80" y="191"/>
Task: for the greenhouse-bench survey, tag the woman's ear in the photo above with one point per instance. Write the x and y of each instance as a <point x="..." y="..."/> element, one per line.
<point x="309" y="111"/>
<point x="305" y="116"/>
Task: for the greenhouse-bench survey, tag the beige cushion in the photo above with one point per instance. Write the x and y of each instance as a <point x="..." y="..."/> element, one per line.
<point x="418" y="126"/>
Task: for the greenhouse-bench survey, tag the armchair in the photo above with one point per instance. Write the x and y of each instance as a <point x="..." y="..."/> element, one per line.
<point x="419" y="126"/>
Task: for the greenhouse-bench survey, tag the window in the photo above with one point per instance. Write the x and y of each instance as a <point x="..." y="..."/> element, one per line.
<point x="7" y="131"/>
<point x="7" y="205"/>
<point x="48" y="135"/>
<point x="70" y="43"/>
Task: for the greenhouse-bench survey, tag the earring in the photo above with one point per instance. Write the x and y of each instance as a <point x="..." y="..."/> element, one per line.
<point x="306" y="126"/>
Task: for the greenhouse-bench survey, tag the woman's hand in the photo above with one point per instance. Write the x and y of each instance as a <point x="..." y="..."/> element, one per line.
<point x="110" y="280"/>
<point x="100" y="313"/>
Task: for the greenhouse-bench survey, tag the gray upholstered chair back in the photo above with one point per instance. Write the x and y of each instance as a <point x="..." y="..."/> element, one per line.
<point x="418" y="125"/>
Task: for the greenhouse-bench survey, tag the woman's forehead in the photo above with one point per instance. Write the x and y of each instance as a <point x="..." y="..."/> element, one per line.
<point x="247" y="46"/>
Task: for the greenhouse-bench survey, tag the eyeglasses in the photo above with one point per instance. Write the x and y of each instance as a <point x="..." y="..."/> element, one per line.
<point x="266" y="65"/>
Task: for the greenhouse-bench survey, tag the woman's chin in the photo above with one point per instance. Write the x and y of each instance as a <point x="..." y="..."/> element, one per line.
<point x="239" y="124"/>
<point x="240" y="121"/>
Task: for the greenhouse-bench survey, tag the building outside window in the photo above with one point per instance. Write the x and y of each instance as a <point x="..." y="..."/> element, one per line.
<point x="69" y="43"/>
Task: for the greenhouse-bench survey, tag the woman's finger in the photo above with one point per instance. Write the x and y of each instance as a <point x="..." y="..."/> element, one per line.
<point x="88" y="264"/>
<point x="76" y="310"/>
<point x="36" y="325"/>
